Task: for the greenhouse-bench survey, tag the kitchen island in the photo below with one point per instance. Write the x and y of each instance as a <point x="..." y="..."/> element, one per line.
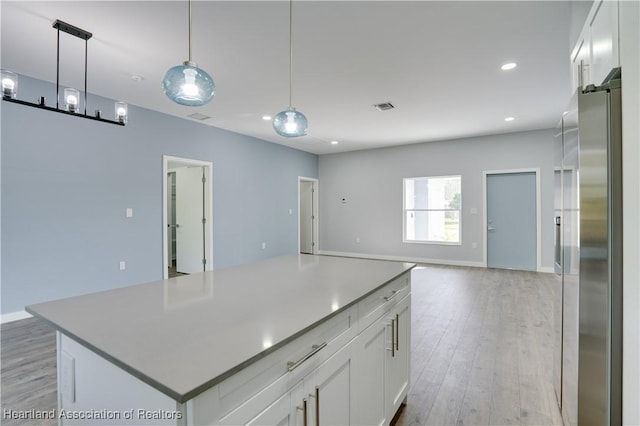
<point x="301" y="339"/>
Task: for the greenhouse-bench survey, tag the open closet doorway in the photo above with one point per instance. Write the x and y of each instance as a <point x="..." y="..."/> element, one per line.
<point x="307" y="215"/>
<point x="187" y="206"/>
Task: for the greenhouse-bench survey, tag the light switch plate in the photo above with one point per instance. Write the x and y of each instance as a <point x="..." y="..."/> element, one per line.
<point x="129" y="212"/>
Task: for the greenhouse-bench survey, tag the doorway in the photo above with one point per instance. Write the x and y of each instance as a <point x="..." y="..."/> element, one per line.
<point x="512" y="219"/>
<point x="187" y="206"/>
<point x="307" y="215"/>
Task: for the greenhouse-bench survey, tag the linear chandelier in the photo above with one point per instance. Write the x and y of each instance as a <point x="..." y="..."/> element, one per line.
<point x="71" y="95"/>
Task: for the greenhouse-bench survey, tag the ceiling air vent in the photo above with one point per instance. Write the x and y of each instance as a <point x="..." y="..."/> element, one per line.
<point x="198" y="116"/>
<point x="385" y="106"/>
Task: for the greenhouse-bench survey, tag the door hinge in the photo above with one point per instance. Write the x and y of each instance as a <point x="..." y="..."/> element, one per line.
<point x="313" y="244"/>
<point x="204" y="261"/>
<point x="204" y="179"/>
<point x="204" y="220"/>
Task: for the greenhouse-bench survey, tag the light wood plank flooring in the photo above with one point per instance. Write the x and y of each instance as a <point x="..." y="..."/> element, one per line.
<point x="481" y="352"/>
<point x="481" y="348"/>
<point x="28" y="372"/>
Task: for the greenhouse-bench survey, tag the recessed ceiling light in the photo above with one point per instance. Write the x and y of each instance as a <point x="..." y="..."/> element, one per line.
<point x="266" y="117"/>
<point x="334" y="142"/>
<point x="509" y="119"/>
<point x="137" y="78"/>
<point x="509" y="66"/>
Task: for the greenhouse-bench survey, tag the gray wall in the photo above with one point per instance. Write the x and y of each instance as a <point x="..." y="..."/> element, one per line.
<point x="371" y="182"/>
<point x="67" y="181"/>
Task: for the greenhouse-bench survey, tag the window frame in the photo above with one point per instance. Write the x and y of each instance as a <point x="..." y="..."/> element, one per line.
<point x="405" y="210"/>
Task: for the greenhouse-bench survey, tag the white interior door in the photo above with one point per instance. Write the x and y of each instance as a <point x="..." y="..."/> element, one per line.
<point x="190" y="233"/>
<point x="306" y="217"/>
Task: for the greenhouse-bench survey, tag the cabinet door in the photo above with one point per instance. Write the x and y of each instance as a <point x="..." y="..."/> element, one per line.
<point x="397" y="360"/>
<point x="604" y="40"/>
<point x="369" y="377"/>
<point x="288" y="409"/>
<point x="278" y="413"/>
<point x="329" y="390"/>
<point x="581" y="62"/>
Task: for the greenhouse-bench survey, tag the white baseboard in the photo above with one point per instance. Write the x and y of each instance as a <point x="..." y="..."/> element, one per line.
<point x="404" y="259"/>
<point x="546" y="269"/>
<point x="14" y="316"/>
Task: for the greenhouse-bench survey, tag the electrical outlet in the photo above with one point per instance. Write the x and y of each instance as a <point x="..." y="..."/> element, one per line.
<point x="357" y="240"/>
<point x="129" y="212"/>
<point x="123" y="265"/>
<point x="264" y="246"/>
<point x="474" y="245"/>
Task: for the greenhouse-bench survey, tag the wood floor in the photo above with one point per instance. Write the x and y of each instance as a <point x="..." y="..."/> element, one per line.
<point x="481" y="348"/>
<point x="28" y="372"/>
<point x="481" y="352"/>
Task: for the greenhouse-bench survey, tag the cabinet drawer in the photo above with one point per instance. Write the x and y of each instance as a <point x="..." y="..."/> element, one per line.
<point x="335" y="332"/>
<point x="376" y="304"/>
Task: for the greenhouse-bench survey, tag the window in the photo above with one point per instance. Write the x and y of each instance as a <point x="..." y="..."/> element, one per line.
<point x="432" y="208"/>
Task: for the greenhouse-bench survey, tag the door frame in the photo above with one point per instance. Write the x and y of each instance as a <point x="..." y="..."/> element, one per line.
<point x="485" y="174"/>
<point x="166" y="159"/>
<point x="316" y="228"/>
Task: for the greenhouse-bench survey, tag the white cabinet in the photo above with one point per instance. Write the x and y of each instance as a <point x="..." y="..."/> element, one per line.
<point x="596" y="51"/>
<point x="369" y="377"/>
<point x="581" y="62"/>
<point x="329" y="390"/>
<point x="287" y="409"/>
<point x="382" y="364"/>
<point x="397" y="360"/>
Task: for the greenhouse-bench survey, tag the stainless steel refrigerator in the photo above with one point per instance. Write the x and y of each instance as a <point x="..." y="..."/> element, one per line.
<point x="588" y="257"/>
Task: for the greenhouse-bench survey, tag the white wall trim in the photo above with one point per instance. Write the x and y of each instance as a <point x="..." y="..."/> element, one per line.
<point x="538" y="212"/>
<point x="316" y="212"/>
<point x="166" y="159"/>
<point x="14" y="316"/>
<point x="403" y="258"/>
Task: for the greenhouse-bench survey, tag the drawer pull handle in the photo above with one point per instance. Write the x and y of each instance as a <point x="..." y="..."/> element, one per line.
<point x="317" y="405"/>
<point x="304" y="411"/>
<point x="393" y="338"/>
<point x="314" y="350"/>
<point x="393" y="294"/>
<point x="397" y="332"/>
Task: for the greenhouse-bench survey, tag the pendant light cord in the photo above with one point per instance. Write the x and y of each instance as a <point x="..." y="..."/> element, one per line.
<point x="189" y="30"/>
<point x="290" y="53"/>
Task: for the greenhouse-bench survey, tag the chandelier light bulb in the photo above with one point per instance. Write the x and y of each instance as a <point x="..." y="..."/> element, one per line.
<point x="121" y="112"/>
<point x="72" y="99"/>
<point x="9" y="84"/>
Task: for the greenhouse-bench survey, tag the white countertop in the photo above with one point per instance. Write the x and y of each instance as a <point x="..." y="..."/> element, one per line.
<point x="168" y="333"/>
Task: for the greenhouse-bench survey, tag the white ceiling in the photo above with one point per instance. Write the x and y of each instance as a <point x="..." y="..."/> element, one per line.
<point x="437" y="62"/>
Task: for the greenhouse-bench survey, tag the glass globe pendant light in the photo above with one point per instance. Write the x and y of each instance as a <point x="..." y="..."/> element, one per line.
<point x="187" y="84"/>
<point x="290" y="123"/>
